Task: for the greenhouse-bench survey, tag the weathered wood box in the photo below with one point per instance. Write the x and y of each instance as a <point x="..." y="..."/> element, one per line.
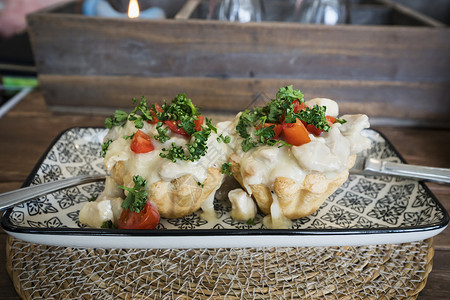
<point x="94" y="64"/>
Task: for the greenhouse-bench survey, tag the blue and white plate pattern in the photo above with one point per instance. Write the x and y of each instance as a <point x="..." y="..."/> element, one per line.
<point x="363" y="205"/>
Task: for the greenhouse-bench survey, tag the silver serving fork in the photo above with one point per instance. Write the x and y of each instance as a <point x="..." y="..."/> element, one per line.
<point x="11" y="198"/>
<point x="373" y="166"/>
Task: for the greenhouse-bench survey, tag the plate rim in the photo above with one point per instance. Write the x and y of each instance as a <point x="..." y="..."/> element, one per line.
<point x="9" y="227"/>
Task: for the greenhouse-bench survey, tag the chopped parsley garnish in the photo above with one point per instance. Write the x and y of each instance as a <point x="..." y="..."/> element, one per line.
<point x="109" y="224"/>
<point x="118" y="119"/>
<point x="181" y="113"/>
<point x="251" y="222"/>
<point x="199" y="146"/>
<point x="340" y="120"/>
<point x="289" y="94"/>
<point x="200" y="184"/>
<point x="280" y="110"/>
<point x="248" y="144"/>
<point x="226" y="169"/>
<point x="105" y="147"/>
<point x="195" y="150"/>
<point x="175" y="152"/>
<point x="209" y="124"/>
<point x="139" y="114"/>
<point x="224" y="138"/>
<point x="137" y="195"/>
<point x="162" y="133"/>
<point x="315" y="116"/>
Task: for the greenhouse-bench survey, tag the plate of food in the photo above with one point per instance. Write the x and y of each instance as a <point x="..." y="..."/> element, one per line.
<point x="275" y="175"/>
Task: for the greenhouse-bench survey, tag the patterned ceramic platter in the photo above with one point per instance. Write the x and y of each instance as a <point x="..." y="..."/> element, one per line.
<point x="365" y="210"/>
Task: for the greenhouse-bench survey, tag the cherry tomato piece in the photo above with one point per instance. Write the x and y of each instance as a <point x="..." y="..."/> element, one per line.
<point x="299" y="106"/>
<point x="199" y="123"/>
<point x="173" y="125"/>
<point x="296" y="133"/>
<point x="141" y="143"/>
<point x="313" y="129"/>
<point x="278" y="128"/>
<point x="147" y="218"/>
<point x="331" y="120"/>
<point x="153" y="114"/>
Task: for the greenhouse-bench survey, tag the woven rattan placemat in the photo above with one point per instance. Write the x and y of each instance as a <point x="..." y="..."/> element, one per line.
<point x="366" y="272"/>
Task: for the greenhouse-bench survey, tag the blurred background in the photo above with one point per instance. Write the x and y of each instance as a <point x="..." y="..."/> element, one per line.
<point x="17" y="63"/>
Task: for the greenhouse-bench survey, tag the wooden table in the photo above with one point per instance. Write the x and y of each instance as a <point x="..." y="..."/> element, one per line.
<point x="27" y="130"/>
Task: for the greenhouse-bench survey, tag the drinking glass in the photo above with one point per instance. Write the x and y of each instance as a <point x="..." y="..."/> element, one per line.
<point x="329" y="12"/>
<point x="240" y="11"/>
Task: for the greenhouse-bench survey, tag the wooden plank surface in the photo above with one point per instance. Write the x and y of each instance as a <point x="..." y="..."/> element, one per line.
<point x="391" y="71"/>
<point x="76" y="45"/>
<point x="409" y="100"/>
<point x="30" y="127"/>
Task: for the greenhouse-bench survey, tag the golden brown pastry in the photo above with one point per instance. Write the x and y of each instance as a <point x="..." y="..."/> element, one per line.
<point x="291" y="155"/>
<point x="169" y="156"/>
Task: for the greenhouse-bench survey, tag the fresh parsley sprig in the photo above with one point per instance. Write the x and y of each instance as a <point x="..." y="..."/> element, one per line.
<point x="279" y="110"/>
<point x="137" y="195"/>
<point x="108" y="225"/>
<point x="224" y="138"/>
<point x="185" y="113"/>
<point x="139" y="114"/>
<point x="118" y="119"/>
<point x="162" y="133"/>
<point x="226" y="169"/>
<point x="194" y="150"/>
<point x="105" y="147"/>
<point x="315" y="116"/>
<point x="289" y="94"/>
<point x="182" y="111"/>
<point x="173" y="153"/>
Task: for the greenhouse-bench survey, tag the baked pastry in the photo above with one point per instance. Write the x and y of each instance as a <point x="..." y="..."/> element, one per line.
<point x="290" y="155"/>
<point x="168" y="156"/>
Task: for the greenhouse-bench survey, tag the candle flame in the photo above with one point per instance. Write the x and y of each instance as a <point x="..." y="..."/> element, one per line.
<point x="133" y="9"/>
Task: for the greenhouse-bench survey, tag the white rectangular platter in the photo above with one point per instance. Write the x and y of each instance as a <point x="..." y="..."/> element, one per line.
<point x="364" y="210"/>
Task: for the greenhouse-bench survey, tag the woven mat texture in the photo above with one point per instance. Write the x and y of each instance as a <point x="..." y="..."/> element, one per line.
<point x="366" y="272"/>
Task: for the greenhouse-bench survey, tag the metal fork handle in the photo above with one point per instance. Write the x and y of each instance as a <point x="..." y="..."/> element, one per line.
<point x="12" y="198"/>
<point x="409" y="171"/>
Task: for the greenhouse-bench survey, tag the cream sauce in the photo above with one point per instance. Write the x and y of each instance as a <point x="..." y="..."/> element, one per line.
<point x="243" y="208"/>
<point x="327" y="154"/>
<point x="152" y="167"/>
<point x="276" y="219"/>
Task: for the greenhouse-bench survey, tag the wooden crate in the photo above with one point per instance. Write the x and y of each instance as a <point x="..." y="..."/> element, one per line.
<point x="97" y="64"/>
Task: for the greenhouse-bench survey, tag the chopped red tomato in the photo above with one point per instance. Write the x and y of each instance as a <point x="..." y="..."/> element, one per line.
<point x="331" y="120"/>
<point x="277" y="129"/>
<point x="141" y="143"/>
<point x="314" y="130"/>
<point x="199" y="123"/>
<point x="148" y="218"/>
<point x="153" y="114"/>
<point x="296" y="133"/>
<point x="299" y="106"/>
<point x="173" y="125"/>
